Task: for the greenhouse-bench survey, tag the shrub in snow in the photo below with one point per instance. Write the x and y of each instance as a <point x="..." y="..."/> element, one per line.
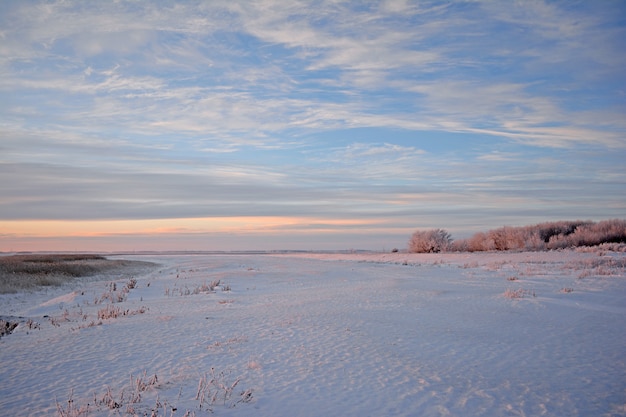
<point x="429" y="241"/>
<point x="549" y="235"/>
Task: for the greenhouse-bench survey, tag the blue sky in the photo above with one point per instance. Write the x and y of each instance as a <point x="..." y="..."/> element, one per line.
<point x="276" y="124"/>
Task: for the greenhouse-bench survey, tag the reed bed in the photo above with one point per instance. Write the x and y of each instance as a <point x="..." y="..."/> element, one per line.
<point x="31" y="271"/>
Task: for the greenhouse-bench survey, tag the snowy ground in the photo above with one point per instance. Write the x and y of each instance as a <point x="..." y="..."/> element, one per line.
<point x="523" y="334"/>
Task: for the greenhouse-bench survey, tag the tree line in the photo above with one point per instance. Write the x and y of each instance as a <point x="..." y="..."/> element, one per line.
<point x="538" y="237"/>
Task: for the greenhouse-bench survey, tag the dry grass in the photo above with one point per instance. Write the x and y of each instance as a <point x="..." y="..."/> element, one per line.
<point x="200" y="289"/>
<point x="72" y="409"/>
<point x="7" y="327"/>
<point x="28" y="272"/>
<point x="113" y="312"/>
<point x="214" y="389"/>
<point x="518" y="293"/>
<point x="115" y="296"/>
<point x="601" y="266"/>
<point x="120" y="404"/>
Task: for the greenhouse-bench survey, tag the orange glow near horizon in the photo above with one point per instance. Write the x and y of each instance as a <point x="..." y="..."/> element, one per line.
<point x="243" y="224"/>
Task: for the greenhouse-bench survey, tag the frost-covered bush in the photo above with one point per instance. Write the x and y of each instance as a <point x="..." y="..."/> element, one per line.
<point x="592" y="234"/>
<point x="549" y="235"/>
<point x="429" y="241"/>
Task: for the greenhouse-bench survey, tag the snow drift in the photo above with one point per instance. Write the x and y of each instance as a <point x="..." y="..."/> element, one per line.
<point x="482" y="334"/>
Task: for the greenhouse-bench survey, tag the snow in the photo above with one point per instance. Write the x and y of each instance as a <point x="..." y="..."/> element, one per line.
<point x="327" y="334"/>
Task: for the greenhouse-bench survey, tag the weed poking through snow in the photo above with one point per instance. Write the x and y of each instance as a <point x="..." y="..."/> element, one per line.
<point x="113" y="312"/>
<point x="200" y="289"/>
<point x="72" y="410"/>
<point x="214" y="387"/>
<point x="519" y="293"/>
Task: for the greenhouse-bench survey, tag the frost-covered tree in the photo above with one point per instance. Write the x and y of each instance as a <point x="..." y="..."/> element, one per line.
<point x="429" y="241"/>
<point x="548" y="235"/>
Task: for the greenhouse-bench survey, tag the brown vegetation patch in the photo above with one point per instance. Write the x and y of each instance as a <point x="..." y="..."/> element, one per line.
<point x="7" y="327"/>
<point x="25" y="272"/>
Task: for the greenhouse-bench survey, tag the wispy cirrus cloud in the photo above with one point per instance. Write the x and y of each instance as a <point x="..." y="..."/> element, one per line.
<point x="367" y="48"/>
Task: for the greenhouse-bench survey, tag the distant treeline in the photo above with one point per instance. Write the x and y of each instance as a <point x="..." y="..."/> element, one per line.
<point x="542" y="236"/>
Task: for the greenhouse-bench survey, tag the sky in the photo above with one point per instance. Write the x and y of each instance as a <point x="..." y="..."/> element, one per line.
<point x="305" y="125"/>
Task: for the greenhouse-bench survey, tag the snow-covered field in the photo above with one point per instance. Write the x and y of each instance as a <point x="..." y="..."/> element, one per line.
<point x="495" y="334"/>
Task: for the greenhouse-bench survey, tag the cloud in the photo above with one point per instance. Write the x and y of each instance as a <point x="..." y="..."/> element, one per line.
<point x="457" y="86"/>
<point x="381" y="150"/>
<point x="497" y="156"/>
<point x="341" y="110"/>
